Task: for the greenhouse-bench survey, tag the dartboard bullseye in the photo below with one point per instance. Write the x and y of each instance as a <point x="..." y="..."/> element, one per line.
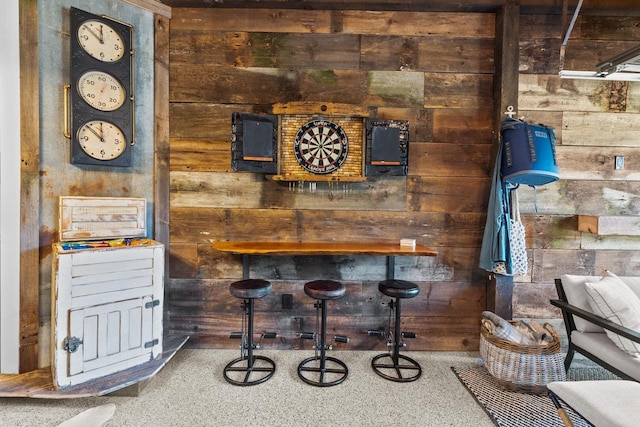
<point x="321" y="146"/>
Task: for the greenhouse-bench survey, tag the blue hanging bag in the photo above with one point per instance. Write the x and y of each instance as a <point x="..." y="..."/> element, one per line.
<point x="529" y="153"/>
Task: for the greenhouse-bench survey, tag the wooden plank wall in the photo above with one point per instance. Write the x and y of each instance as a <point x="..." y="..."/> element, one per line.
<point x="594" y="122"/>
<point x="432" y="69"/>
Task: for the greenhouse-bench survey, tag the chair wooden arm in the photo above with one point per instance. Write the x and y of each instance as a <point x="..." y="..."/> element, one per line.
<point x="597" y="320"/>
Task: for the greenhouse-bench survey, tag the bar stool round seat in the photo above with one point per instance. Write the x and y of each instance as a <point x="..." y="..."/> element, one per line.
<point x="250" y="288"/>
<point x="324" y="289"/>
<point x="249" y="369"/>
<point x="329" y="371"/>
<point x="394" y="366"/>
<point x="399" y="288"/>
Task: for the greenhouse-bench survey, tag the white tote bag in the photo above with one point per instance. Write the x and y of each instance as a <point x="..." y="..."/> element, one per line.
<point x="518" y="242"/>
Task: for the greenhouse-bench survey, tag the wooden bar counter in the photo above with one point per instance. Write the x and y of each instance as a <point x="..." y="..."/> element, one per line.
<point x="387" y="249"/>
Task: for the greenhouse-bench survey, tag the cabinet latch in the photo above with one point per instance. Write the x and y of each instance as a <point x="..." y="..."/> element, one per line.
<point x="151" y="304"/>
<point x="72" y="344"/>
<point x="151" y="343"/>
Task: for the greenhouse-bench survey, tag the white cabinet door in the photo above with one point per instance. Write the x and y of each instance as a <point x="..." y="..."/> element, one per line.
<point x="110" y="334"/>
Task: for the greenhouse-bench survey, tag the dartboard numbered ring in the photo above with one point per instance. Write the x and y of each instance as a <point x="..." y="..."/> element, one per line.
<point x="321" y="146"/>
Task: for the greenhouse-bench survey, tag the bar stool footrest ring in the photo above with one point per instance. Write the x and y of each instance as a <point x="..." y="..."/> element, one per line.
<point x="397" y="368"/>
<point x="245" y="371"/>
<point x="326" y="374"/>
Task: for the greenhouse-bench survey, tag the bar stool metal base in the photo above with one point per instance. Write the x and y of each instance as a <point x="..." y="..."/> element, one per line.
<point x="328" y="375"/>
<point x="240" y="372"/>
<point x="393" y="369"/>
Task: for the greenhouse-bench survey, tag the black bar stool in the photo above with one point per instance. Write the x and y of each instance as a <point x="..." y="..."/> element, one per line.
<point x="331" y="370"/>
<point x="249" y="369"/>
<point x="395" y="368"/>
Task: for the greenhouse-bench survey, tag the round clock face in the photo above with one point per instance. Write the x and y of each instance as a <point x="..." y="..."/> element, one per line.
<point x="101" y="140"/>
<point x="321" y="146"/>
<point x="101" y="90"/>
<point x="101" y="41"/>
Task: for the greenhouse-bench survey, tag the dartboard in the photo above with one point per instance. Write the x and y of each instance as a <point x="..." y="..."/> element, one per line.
<point x="320" y="146"/>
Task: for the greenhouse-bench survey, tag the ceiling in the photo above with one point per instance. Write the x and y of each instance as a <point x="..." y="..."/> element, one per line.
<point x="625" y="7"/>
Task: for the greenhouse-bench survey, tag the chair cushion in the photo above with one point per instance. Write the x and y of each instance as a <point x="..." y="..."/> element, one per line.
<point x="633" y="283"/>
<point x="604" y="349"/>
<point x="576" y="293"/>
<point x="602" y="403"/>
<point x="612" y="299"/>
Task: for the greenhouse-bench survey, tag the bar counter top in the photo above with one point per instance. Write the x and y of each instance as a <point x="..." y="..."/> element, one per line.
<point x="322" y="248"/>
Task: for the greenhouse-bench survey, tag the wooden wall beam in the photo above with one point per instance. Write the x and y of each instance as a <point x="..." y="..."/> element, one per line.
<point x="505" y="94"/>
<point x="161" y="135"/>
<point x="29" y="187"/>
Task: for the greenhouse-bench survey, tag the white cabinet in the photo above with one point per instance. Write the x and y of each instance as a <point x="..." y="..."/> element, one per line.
<point x="106" y="310"/>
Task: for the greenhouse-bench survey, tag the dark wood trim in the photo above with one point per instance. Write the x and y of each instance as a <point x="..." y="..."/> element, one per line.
<point x="161" y="135"/>
<point x="505" y="94"/>
<point x="29" y="186"/>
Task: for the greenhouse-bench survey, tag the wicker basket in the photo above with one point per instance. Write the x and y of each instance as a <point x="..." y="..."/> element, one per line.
<point x="525" y="368"/>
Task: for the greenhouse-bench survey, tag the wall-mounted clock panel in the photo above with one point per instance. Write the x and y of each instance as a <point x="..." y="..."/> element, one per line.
<point x="102" y="90"/>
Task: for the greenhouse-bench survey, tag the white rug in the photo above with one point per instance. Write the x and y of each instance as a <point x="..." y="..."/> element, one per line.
<point x="93" y="417"/>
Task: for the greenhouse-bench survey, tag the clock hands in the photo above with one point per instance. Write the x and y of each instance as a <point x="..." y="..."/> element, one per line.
<point x="99" y="37"/>
<point x="101" y="135"/>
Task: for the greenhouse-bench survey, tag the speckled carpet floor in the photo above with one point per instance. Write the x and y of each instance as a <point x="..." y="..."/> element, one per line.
<point x="191" y="391"/>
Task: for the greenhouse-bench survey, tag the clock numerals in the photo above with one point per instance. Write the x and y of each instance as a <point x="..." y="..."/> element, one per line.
<point x="101" y="41"/>
<point x="101" y="90"/>
<point x="101" y="140"/>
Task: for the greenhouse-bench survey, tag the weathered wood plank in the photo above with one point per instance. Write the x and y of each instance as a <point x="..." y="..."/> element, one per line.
<point x="457" y="90"/>
<point x="203" y="225"/>
<point x="567" y="197"/>
<point x="201" y="155"/>
<point x="417" y="54"/>
<point x="446" y="160"/>
<point x="597" y="163"/>
<point x="239" y="190"/>
<point x="601" y="129"/>
<point x="448" y="194"/>
<point x="550" y="264"/>
<point x="461" y="125"/>
<point x="276" y="50"/>
<point x="609" y="28"/>
<point x="256" y="85"/>
<point x="473" y="25"/>
<point x="552" y="232"/>
<point x="254" y="19"/>
<point x="449" y="264"/>
<point x="551" y="93"/>
<point x="207" y="121"/>
<point x="608" y="225"/>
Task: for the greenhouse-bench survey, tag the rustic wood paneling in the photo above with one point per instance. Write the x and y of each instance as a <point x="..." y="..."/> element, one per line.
<point x="435" y="70"/>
